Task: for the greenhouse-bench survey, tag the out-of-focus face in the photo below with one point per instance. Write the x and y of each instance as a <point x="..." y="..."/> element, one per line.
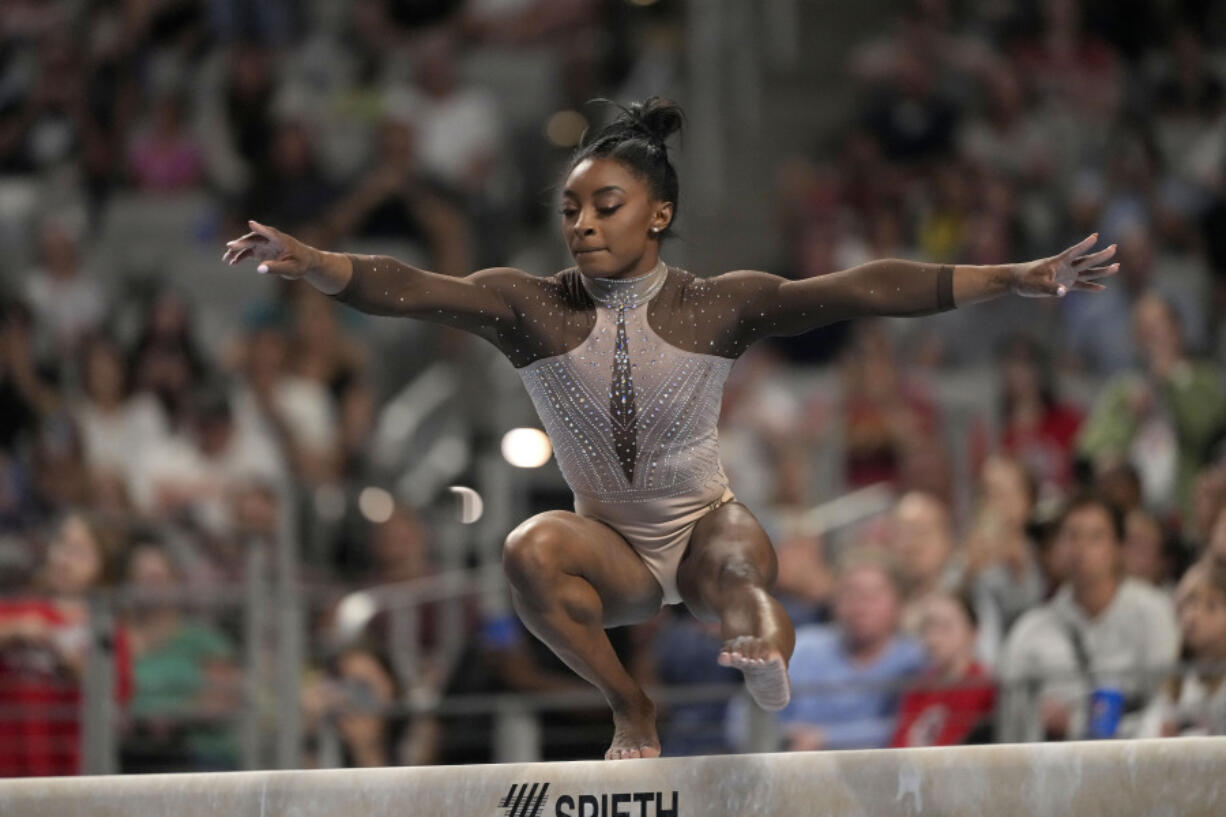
<point x="1093" y="550"/>
<point x="267" y="351"/>
<point x="150" y="567"/>
<point x="104" y="373"/>
<point x="921" y="537"/>
<point x="1006" y="491"/>
<point x="58" y="248"/>
<point x="1020" y="377"/>
<point x="867" y="606"/>
<point x="1142" y="556"/>
<point x="607" y="217"/>
<point x="400" y="546"/>
<point x="292" y="150"/>
<point x="947" y="633"/>
<point x="74" y="558"/>
<point x="1217" y="539"/>
<point x="169" y="316"/>
<point x="1201" y="608"/>
<point x="1156" y="330"/>
<point x="397" y="144"/>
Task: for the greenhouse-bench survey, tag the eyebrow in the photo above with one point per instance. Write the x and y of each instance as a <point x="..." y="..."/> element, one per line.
<point x="609" y="188"/>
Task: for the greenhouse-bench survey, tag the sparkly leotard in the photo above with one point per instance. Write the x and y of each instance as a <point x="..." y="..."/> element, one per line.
<point x="627" y="375"/>
<point x="633" y="422"/>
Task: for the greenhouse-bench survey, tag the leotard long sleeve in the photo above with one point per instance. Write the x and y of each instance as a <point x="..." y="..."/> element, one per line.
<point x="627" y="375"/>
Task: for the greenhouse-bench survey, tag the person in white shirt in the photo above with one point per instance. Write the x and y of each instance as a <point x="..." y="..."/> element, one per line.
<point x="1102" y="629"/>
<point x="1193" y="702"/>
<point x="116" y="424"/>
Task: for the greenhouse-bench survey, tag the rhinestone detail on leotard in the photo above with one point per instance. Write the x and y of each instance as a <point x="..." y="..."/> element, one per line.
<point x="676" y="398"/>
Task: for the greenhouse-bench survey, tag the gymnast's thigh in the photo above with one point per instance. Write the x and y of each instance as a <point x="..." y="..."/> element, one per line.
<point x="727" y="543"/>
<point x="565" y="542"/>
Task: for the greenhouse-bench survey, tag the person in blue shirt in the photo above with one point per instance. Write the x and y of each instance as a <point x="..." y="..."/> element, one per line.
<point x="847" y="677"/>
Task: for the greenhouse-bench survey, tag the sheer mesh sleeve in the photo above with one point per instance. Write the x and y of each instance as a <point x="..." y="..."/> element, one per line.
<point x="726" y="314"/>
<point x="525" y="316"/>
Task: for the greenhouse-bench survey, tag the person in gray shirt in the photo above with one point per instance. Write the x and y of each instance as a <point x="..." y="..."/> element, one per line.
<point x="1101" y="629"/>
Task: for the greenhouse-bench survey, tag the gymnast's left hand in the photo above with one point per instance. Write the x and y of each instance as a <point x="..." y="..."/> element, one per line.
<point x="1074" y="269"/>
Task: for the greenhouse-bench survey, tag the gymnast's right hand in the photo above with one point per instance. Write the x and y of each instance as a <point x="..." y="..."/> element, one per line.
<point x="276" y="252"/>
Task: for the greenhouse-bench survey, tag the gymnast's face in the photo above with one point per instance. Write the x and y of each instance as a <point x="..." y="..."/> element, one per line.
<point x="608" y="215"/>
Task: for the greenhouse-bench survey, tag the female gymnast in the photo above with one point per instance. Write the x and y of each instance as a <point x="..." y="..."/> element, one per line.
<point x="625" y="360"/>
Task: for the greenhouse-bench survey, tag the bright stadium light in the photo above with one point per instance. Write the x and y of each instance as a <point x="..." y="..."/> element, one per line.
<point x="526" y="447"/>
<point x="376" y="504"/>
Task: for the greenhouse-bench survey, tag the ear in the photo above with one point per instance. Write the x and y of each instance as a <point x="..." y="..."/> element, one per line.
<point x="661" y="217"/>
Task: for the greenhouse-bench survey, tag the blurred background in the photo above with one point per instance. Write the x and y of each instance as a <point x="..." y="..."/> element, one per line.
<point x="228" y="535"/>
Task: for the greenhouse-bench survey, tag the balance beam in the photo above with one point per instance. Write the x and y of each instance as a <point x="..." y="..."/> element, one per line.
<point x="1184" y="776"/>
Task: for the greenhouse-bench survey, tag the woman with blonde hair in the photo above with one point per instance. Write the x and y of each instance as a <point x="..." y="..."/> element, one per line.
<point x="1193" y="701"/>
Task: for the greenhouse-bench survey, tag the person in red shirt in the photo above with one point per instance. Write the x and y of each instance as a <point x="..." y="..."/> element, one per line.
<point x="44" y="647"/>
<point x="954" y="701"/>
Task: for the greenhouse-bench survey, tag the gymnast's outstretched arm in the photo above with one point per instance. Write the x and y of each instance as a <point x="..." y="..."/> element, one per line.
<point x="381" y="285"/>
<point x="775" y="306"/>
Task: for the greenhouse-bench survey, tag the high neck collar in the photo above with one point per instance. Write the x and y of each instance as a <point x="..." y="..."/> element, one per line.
<point x="616" y="293"/>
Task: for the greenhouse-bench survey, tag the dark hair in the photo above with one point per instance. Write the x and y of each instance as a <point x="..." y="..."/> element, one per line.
<point x="1091" y="499"/>
<point x="637" y="138"/>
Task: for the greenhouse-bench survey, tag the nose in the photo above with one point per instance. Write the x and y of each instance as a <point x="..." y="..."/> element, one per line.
<point x="582" y="227"/>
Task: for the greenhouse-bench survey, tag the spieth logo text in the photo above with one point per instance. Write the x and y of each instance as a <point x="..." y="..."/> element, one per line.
<point x="532" y="800"/>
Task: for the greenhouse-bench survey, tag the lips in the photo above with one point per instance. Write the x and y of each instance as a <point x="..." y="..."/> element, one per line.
<point x="589" y="250"/>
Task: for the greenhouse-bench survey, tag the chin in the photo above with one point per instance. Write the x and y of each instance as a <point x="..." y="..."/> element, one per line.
<point x="600" y="266"/>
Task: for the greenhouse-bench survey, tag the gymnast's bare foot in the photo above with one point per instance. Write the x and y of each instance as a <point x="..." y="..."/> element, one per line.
<point x="766" y="673"/>
<point x="634" y="732"/>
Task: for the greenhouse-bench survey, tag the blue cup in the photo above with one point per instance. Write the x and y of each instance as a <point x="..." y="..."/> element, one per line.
<point x="1106" y="708"/>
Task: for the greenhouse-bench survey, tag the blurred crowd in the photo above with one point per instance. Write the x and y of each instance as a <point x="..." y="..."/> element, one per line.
<point x="1058" y="465"/>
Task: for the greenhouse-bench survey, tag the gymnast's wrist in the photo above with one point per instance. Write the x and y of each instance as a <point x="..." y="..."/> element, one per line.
<point x="329" y="272"/>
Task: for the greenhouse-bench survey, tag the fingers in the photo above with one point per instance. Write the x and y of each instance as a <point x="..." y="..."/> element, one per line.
<point x="1095" y="258"/>
<point x="1094" y="273"/>
<point x="233" y="255"/>
<point x="286" y="269"/>
<point x="267" y="232"/>
<point x="1081" y="246"/>
<point x="1088" y="286"/>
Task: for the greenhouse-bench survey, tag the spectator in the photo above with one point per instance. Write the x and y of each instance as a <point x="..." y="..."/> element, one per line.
<point x="115" y="423"/>
<point x="922" y="544"/>
<point x="62" y="479"/>
<point x="845" y="677"/>
<point x="291" y="189"/>
<point x="28" y="391"/>
<point x="1216" y="546"/>
<point x="44" y="647"/>
<point x="164" y="156"/>
<point x="1037" y="427"/>
<point x="66" y="300"/>
<point x="353" y="697"/>
<point x="294" y="414"/>
<point x="1162" y="419"/>
<point x="166" y="360"/>
<point x="685" y="652"/>
<point x="459" y="128"/>
<point x="1193" y="702"/>
<point x="1150" y="554"/>
<point x="1101" y="629"/>
<point x="883" y="410"/>
<point x="189" y="476"/>
<point x="806" y="582"/>
<point x="1002" y="570"/>
<point x="396" y="200"/>
<point x="187" y="693"/>
<point x="954" y="700"/>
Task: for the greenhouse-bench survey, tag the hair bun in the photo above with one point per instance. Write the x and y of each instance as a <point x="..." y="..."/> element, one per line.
<point x="655" y="117"/>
